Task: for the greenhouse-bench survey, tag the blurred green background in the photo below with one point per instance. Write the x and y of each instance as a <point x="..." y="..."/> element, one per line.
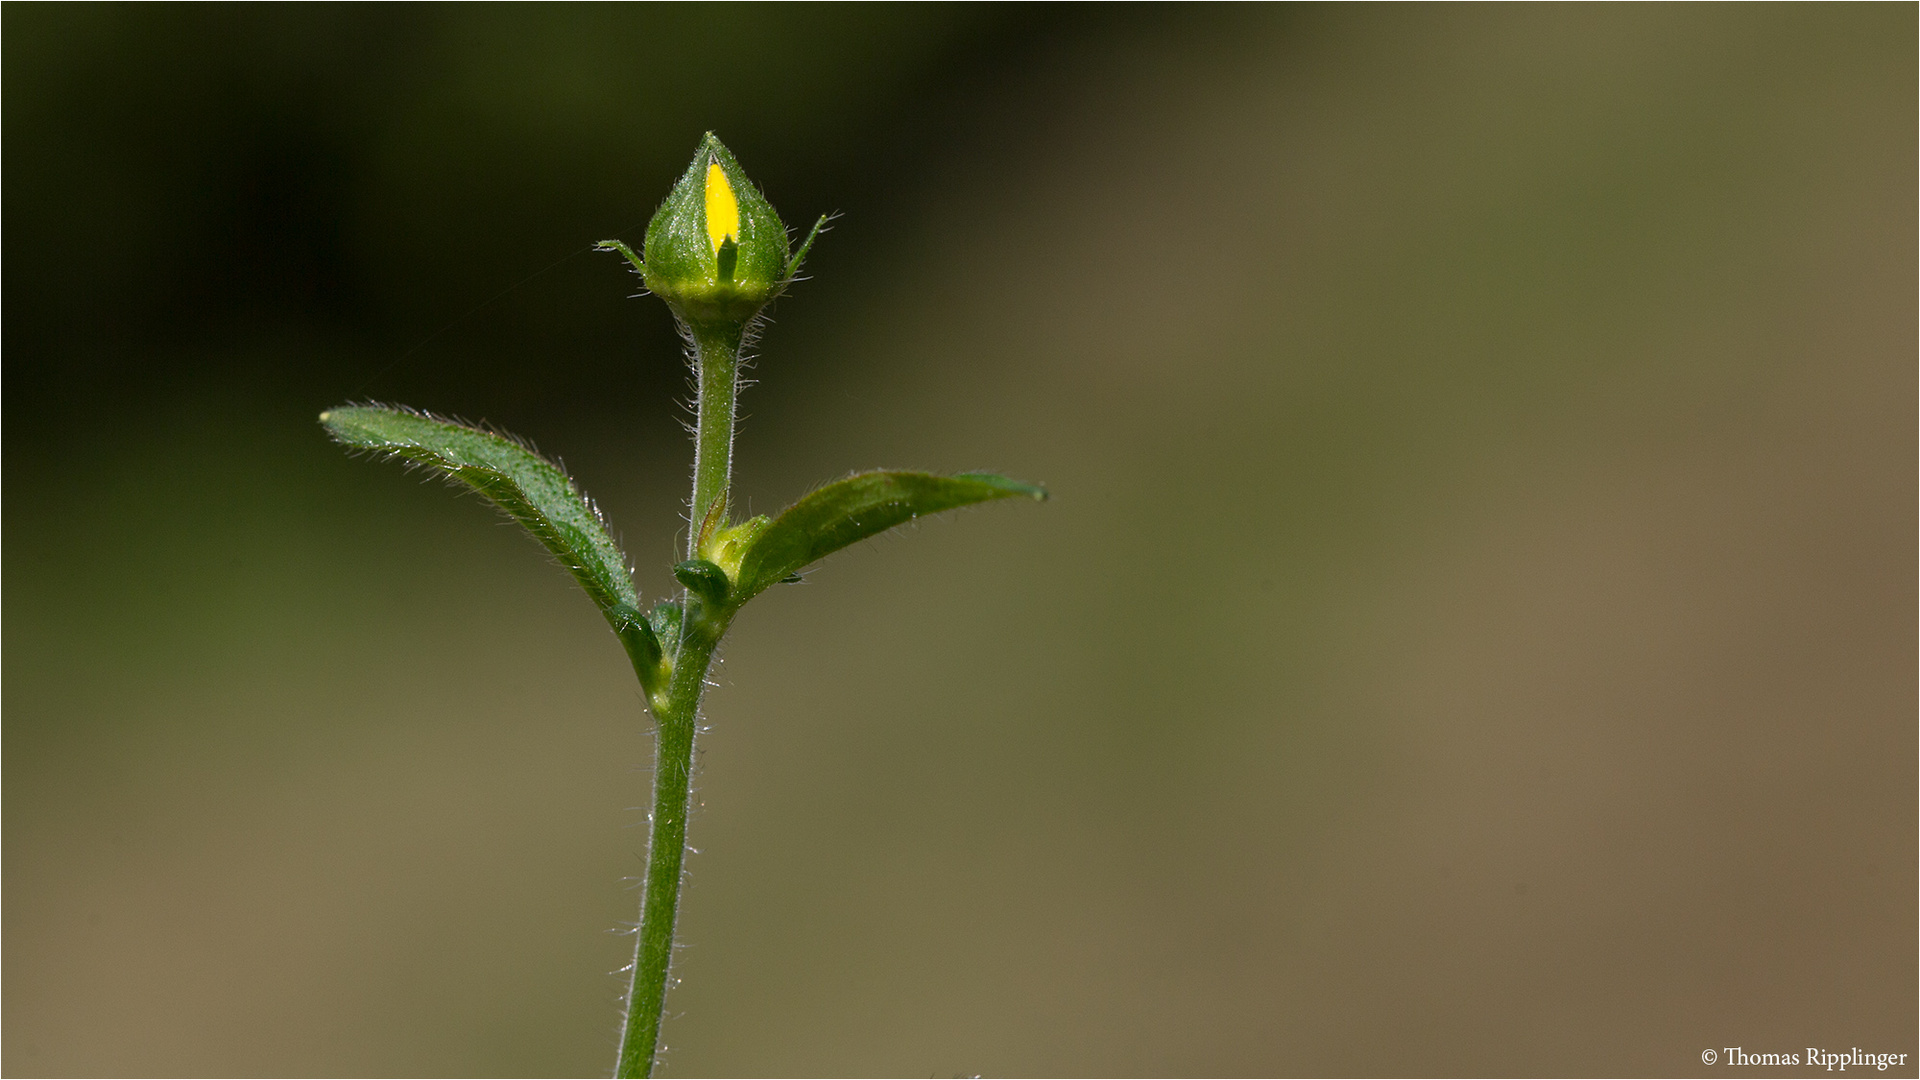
<point x="1473" y="632"/>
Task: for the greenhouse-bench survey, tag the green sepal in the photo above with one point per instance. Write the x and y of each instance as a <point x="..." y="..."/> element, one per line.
<point x="848" y="511"/>
<point x="704" y="580"/>
<point x="728" y="286"/>
<point x="531" y="490"/>
<point x="621" y="249"/>
<point x="800" y="253"/>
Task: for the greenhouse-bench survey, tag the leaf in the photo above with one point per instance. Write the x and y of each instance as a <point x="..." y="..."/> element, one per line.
<point x="704" y="580"/>
<point x="532" y="490"/>
<point x="848" y="511"/>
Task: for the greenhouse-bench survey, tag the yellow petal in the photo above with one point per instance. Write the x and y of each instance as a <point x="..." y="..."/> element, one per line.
<point x="723" y="212"/>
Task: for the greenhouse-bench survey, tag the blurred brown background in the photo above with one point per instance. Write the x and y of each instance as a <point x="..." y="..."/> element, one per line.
<point x="1473" y="632"/>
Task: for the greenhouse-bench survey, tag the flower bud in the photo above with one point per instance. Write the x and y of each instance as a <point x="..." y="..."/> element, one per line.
<point x="716" y="251"/>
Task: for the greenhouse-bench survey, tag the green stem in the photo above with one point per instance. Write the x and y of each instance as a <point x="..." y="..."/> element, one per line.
<point x="676" y="710"/>
<point x="716" y="349"/>
<point x="676" y="720"/>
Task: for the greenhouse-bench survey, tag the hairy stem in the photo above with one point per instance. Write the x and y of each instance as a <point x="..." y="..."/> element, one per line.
<point x="716" y="358"/>
<point x="677" y="711"/>
<point x="676" y="721"/>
